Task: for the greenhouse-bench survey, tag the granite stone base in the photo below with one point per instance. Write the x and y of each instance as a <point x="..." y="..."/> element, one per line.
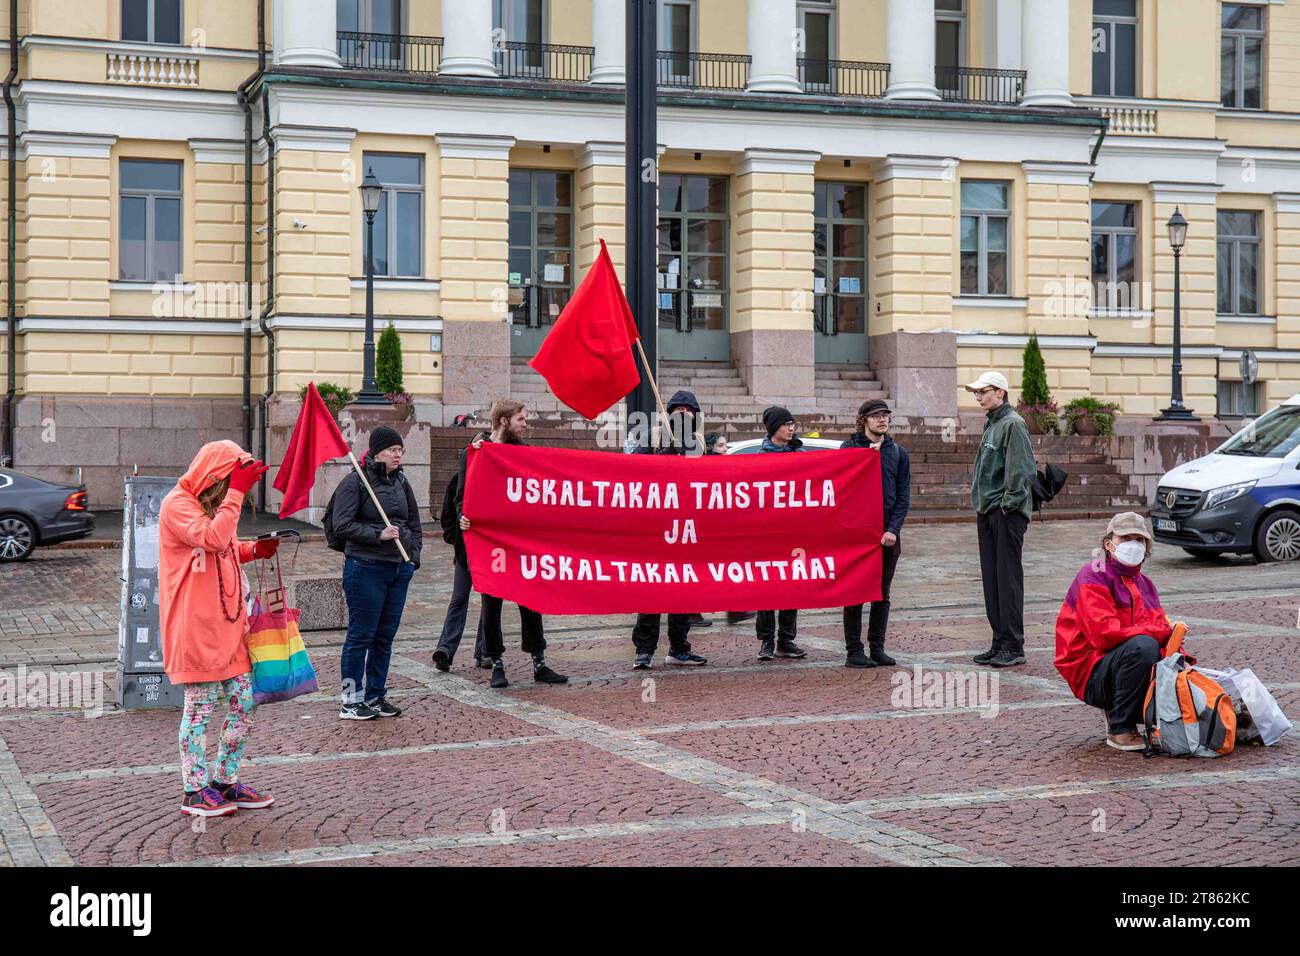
<point x="320" y="602"/>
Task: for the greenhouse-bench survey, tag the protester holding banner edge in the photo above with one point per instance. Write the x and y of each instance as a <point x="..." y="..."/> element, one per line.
<point x="776" y="630"/>
<point x="896" y="496"/>
<point x="509" y="421"/>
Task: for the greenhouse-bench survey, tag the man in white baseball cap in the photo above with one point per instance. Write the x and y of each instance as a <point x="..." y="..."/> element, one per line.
<point x="1001" y="492"/>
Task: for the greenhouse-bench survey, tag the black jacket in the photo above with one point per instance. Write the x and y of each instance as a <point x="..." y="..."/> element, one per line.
<point x="358" y="523"/>
<point x="895" y="479"/>
<point x="662" y="441"/>
<point x="458" y="543"/>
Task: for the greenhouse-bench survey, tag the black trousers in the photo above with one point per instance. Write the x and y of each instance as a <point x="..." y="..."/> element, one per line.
<point x="453" y="625"/>
<point x="1118" y="682"/>
<point x="1002" y="538"/>
<point x="646" y="633"/>
<point x="534" y="642"/>
<point x="782" y="625"/>
<point x="879" y="617"/>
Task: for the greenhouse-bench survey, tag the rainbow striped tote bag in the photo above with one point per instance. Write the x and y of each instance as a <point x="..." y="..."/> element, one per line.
<point x="281" y="668"/>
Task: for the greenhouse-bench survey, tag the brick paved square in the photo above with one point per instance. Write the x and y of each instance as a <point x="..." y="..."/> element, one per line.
<point x="735" y="763"/>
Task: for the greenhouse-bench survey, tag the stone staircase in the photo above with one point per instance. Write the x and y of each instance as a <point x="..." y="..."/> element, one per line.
<point x="941" y="474"/>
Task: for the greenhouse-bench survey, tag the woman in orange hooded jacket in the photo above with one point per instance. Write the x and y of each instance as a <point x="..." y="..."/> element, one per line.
<point x="204" y="620"/>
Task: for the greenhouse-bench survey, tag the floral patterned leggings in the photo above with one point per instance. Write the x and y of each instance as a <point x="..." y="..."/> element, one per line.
<point x="200" y="701"/>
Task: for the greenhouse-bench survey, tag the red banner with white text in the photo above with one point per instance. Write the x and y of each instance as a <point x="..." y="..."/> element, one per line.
<point x="581" y="532"/>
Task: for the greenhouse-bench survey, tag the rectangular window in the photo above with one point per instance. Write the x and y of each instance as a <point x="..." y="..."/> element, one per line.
<point x="1115" y="256"/>
<point x="694" y="223"/>
<point x="1238" y="279"/>
<point x="370" y="16"/>
<point x="149" y="226"/>
<point x="840" y="257"/>
<point x="949" y="42"/>
<point x="1237" y="399"/>
<point x="399" y="221"/>
<point x="1114" y="47"/>
<point x="541" y="246"/>
<point x="1241" y="57"/>
<point x="151" y="21"/>
<point x="985" y="237"/>
<point x="817" y="21"/>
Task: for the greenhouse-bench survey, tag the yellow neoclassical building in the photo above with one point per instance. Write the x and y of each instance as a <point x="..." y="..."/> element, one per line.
<point x="855" y="196"/>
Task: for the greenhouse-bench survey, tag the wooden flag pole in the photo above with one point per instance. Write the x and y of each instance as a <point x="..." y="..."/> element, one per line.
<point x="365" y="481"/>
<point x="699" y="438"/>
<point x="650" y="376"/>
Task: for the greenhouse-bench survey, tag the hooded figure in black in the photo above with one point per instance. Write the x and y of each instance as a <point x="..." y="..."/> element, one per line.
<point x="680" y="437"/>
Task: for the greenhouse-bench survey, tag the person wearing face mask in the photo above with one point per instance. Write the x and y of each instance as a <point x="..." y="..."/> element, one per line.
<point x="1111" y="630"/>
<point x="680" y="437"/>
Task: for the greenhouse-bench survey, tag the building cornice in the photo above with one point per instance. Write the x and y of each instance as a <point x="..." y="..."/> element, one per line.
<point x="133" y="46"/>
<point x="896" y="166"/>
<point x="324" y="139"/>
<point x="225" y="151"/>
<point x="474" y="146"/>
<point x="1059" y="174"/>
<point x="352" y="323"/>
<point x="84" y="145"/>
<point x="793" y="161"/>
<point x="1183" y="193"/>
<point x="999" y="340"/>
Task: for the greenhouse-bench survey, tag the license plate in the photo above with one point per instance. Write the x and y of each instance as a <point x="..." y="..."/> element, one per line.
<point x="1164" y="524"/>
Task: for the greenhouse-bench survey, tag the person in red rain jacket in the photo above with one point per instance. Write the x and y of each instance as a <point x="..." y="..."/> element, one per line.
<point x="1111" y="630"/>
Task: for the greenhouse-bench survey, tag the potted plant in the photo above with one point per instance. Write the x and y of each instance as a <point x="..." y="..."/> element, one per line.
<point x="388" y="361"/>
<point x="1087" y="416"/>
<point x="335" y="397"/>
<point x="1036" y="406"/>
<point x="404" y="402"/>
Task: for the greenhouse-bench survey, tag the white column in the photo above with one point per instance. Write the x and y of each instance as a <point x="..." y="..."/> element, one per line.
<point x="467" y="38"/>
<point x="609" y="36"/>
<point x="909" y="47"/>
<point x="1045" y="52"/>
<point x="1002" y="34"/>
<point x="775" y="67"/>
<point x="305" y="33"/>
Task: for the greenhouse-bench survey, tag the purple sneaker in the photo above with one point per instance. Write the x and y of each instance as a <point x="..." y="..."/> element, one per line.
<point x="245" y="797"/>
<point x="208" y="802"/>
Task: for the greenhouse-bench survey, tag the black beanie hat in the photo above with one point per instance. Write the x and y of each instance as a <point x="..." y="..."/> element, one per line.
<point x="776" y="416"/>
<point x="871" y="406"/>
<point x="384" y="437"/>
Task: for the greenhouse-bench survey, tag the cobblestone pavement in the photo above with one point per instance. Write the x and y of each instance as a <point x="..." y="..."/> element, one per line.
<point x="734" y="763"/>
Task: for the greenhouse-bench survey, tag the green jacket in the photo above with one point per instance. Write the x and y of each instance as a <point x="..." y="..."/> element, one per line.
<point x="1004" y="467"/>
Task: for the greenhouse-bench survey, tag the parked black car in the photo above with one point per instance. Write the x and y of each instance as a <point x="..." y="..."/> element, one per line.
<point x="36" y="512"/>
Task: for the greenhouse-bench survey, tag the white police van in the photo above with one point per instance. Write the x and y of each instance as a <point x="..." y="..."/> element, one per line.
<point x="1242" y="498"/>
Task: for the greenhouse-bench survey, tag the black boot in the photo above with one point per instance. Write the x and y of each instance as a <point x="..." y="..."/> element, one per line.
<point x="879" y="656"/>
<point x="856" y="658"/>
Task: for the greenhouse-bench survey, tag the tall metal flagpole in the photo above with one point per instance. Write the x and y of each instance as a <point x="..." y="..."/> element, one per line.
<point x="642" y="159"/>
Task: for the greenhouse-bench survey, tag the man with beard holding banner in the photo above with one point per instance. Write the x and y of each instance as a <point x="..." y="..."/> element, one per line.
<point x="508" y="425"/>
<point x="682" y="439"/>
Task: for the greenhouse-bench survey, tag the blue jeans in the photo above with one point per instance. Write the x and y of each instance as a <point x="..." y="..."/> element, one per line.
<point x="376" y="594"/>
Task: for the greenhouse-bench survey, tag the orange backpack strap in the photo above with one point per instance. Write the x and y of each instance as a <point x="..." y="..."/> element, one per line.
<point x="1175" y="643"/>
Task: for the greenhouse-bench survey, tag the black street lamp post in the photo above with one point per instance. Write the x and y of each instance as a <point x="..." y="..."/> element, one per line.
<point x="371" y="192"/>
<point x="1177" y="411"/>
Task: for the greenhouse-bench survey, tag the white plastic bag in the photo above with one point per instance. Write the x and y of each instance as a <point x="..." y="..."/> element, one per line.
<point x="1249" y="691"/>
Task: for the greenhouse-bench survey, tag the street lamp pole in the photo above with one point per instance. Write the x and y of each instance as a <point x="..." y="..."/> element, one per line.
<point x="1177" y="411"/>
<point x="371" y="192"/>
<point x="642" y="194"/>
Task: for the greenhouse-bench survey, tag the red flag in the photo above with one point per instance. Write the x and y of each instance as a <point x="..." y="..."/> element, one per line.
<point x="587" y="356"/>
<point x="315" y="440"/>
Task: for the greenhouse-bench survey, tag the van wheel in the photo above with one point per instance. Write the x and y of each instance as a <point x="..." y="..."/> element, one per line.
<point x="1278" y="537"/>
<point x="1204" y="554"/>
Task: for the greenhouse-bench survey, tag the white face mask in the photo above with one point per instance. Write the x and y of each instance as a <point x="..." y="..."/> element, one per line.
<point x="1131" y="553"/>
